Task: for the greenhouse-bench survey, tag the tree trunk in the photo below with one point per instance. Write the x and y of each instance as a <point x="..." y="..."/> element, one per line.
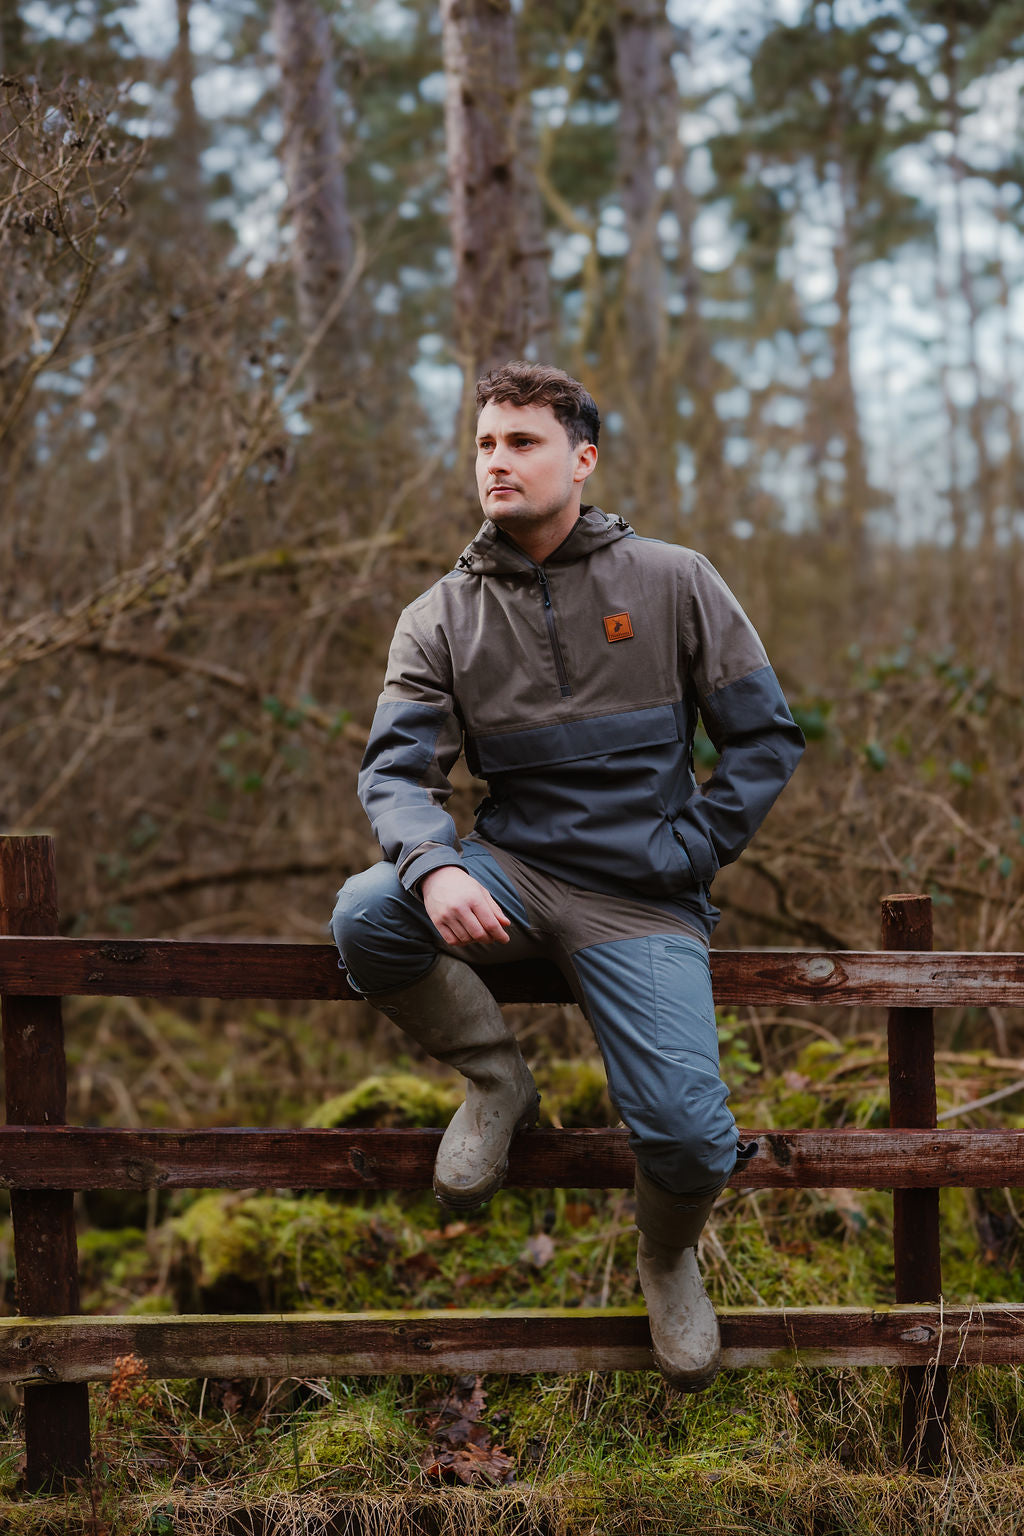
<point x="501" y="287"/>
<point x="988" y="604"/>
<point x="12" y="39"/>
<point x="852" y="533"/>
<point x="714" y="491"/>
<point x="1011" y="478"/>
<point x="646" y="131"/>
<point x="314" y="170"/>
<point x="640" y="36"/>
<point x="190" y="201"/>
<point x="958" y="609"/>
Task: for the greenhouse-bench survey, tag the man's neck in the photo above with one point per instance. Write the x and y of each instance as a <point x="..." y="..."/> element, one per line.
<point x="544" y="541"/>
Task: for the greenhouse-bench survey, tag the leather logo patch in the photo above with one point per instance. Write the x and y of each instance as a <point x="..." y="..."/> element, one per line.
<point x="617" y="626"/>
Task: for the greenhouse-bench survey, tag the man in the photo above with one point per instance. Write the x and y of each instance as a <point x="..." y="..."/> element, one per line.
<point x="569" y="659"/>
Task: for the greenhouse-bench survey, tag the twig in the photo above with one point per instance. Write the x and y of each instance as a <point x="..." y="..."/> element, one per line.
<point x="990" y="1098"/>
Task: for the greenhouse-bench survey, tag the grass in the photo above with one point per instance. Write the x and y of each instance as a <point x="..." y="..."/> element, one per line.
<point x="763" y="1452"/>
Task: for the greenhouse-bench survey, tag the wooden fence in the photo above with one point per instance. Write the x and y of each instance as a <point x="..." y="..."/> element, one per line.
<point x="55" y="1352"/>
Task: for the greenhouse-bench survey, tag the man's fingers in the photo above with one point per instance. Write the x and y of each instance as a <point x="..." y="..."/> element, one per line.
<point x="493" y="922"/>
<point x="474" y="924"/>
<point x="462" y="910"/>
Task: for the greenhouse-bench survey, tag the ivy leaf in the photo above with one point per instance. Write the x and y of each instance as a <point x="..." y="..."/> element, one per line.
<point x="875" y="755"/>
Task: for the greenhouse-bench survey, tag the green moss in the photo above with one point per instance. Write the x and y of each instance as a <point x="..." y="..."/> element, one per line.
<point x="360" y="1438"/>
<point x="391" y="1099"/>
<point x="111" y="1264"/>
<point x="574" y="1093"/>
<point x="155" y="1304"/>
<point x="296" y="1253"/>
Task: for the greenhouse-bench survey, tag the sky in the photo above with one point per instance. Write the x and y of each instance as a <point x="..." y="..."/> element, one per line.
<point x="900" y="324"/>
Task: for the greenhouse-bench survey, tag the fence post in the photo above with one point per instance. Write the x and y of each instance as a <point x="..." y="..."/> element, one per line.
<point x="924" y="1389"/>
<point x="45" y="1243"/>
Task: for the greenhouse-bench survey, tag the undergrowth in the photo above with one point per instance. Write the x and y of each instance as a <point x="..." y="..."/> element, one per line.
<point x="767" y="1452"/>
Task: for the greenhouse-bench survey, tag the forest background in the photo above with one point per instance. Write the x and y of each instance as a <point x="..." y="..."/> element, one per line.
<point x="248" y="261"/>
<point x="252" y="254"/>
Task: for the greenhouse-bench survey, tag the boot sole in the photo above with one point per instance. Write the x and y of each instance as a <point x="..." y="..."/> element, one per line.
<point x="688" y="1381"/>
<point x="465" y="1203"/>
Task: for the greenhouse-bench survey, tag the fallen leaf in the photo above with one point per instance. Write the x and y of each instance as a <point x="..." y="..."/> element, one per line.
<point x="539" y="1250"/>
<point x="422" y="1263"/>
<point x="471" y="1464"/>
<point x="441" y="1234"/>
<point x="489" y="1277"/>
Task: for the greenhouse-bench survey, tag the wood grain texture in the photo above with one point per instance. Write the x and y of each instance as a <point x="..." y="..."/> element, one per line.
<point x="40" y="1158"/>
<point x="43" y="1220"/>
<point x="917" y="1258"/>
<point x="373" y="1343"/>
<point x="243" y="968"/>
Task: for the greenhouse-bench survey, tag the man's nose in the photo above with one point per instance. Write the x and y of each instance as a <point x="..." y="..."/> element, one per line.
<point x="499" y="461"/>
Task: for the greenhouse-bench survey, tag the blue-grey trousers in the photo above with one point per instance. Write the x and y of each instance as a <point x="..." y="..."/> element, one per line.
<point x="640" y="974"/>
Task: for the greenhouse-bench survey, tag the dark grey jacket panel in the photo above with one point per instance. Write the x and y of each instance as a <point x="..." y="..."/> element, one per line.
<point x="585" y="742"/>
<point x="750" y="724"/>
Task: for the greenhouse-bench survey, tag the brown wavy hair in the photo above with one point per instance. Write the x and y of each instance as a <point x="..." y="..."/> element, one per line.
<point x="521" y="383"/>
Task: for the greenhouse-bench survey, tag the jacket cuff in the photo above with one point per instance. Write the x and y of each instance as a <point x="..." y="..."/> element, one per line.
<point x="698" y="851"/>
<point x="433" y="857"/>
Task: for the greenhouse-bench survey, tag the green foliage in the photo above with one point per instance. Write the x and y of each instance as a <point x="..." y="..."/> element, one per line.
<point x="812" y="716"/>
<point x="574" y="1093"/>
<point x="390" y="1099"/>
<point x="875" y="755"/>
<point x="292" y="1253"/>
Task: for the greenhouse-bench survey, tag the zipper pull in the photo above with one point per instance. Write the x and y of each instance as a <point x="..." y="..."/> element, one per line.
<point x="544" y="587"/>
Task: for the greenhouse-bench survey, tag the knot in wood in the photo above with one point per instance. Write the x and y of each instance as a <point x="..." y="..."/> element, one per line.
<point x="123" y="954"/>
<point x="145" y="1173"/>
<point x="921" y="1333"/>
<point x="820" y="973"/>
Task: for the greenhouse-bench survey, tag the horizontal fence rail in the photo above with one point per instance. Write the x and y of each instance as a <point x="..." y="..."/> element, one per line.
<point x="76" y="1349"/>
<point x="67" y="1157"/>
<point x="55" y="1352"/>
<point x="261" y="969"/>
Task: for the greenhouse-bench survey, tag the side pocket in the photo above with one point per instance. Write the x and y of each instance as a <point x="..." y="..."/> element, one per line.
<point x="684" y="1008"/>
<point x="692" y="883"/>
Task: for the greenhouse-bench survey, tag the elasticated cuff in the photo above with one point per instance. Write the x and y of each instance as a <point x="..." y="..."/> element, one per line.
<point x="432" y="858"/>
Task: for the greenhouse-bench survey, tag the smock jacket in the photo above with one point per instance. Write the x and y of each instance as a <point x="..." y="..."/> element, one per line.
<point x="574" y="689"/>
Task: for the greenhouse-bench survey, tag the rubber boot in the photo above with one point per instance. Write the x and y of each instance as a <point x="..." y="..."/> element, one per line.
<point x="684" y="1329"/>
<point x="452" y="1015"/>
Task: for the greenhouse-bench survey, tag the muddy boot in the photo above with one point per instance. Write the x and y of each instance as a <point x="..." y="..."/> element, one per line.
<point x="684" y="1328"/>
<point x="452" y="1015"/>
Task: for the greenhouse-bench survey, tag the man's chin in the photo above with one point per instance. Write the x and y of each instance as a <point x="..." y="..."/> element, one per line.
<point x="506" y="516"/>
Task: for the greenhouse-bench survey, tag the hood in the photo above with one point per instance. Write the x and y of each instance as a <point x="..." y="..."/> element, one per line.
<point x="494" y="553"/>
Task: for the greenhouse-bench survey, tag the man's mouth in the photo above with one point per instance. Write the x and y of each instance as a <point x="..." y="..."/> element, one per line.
<point x="498" y="489"/>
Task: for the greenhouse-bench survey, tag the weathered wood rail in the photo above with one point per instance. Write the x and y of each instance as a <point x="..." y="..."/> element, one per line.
<point x="55" y="1351"/>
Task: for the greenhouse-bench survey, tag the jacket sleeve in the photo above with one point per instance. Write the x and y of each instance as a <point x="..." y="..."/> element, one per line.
<point x="747" y="719"/>
<point x="414" y="740"/>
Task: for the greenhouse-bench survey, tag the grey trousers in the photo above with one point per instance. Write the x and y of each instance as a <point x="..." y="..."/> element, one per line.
<point x="640" y="974"/>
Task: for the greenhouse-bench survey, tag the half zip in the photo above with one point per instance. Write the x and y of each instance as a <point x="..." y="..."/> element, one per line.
<point x="564" y="686"/>
<point x="556" y="649"/>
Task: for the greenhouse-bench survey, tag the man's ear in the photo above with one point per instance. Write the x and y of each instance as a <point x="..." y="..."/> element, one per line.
<point x="586" y="460"/>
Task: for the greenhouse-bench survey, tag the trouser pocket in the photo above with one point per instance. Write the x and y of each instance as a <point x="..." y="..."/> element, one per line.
<point x="684" y="1008"/>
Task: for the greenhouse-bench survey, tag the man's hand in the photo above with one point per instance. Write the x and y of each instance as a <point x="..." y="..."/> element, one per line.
<point x="461" y="909"/>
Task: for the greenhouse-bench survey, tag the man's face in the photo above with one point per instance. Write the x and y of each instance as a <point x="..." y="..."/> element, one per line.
<point x="526" y="472"/>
